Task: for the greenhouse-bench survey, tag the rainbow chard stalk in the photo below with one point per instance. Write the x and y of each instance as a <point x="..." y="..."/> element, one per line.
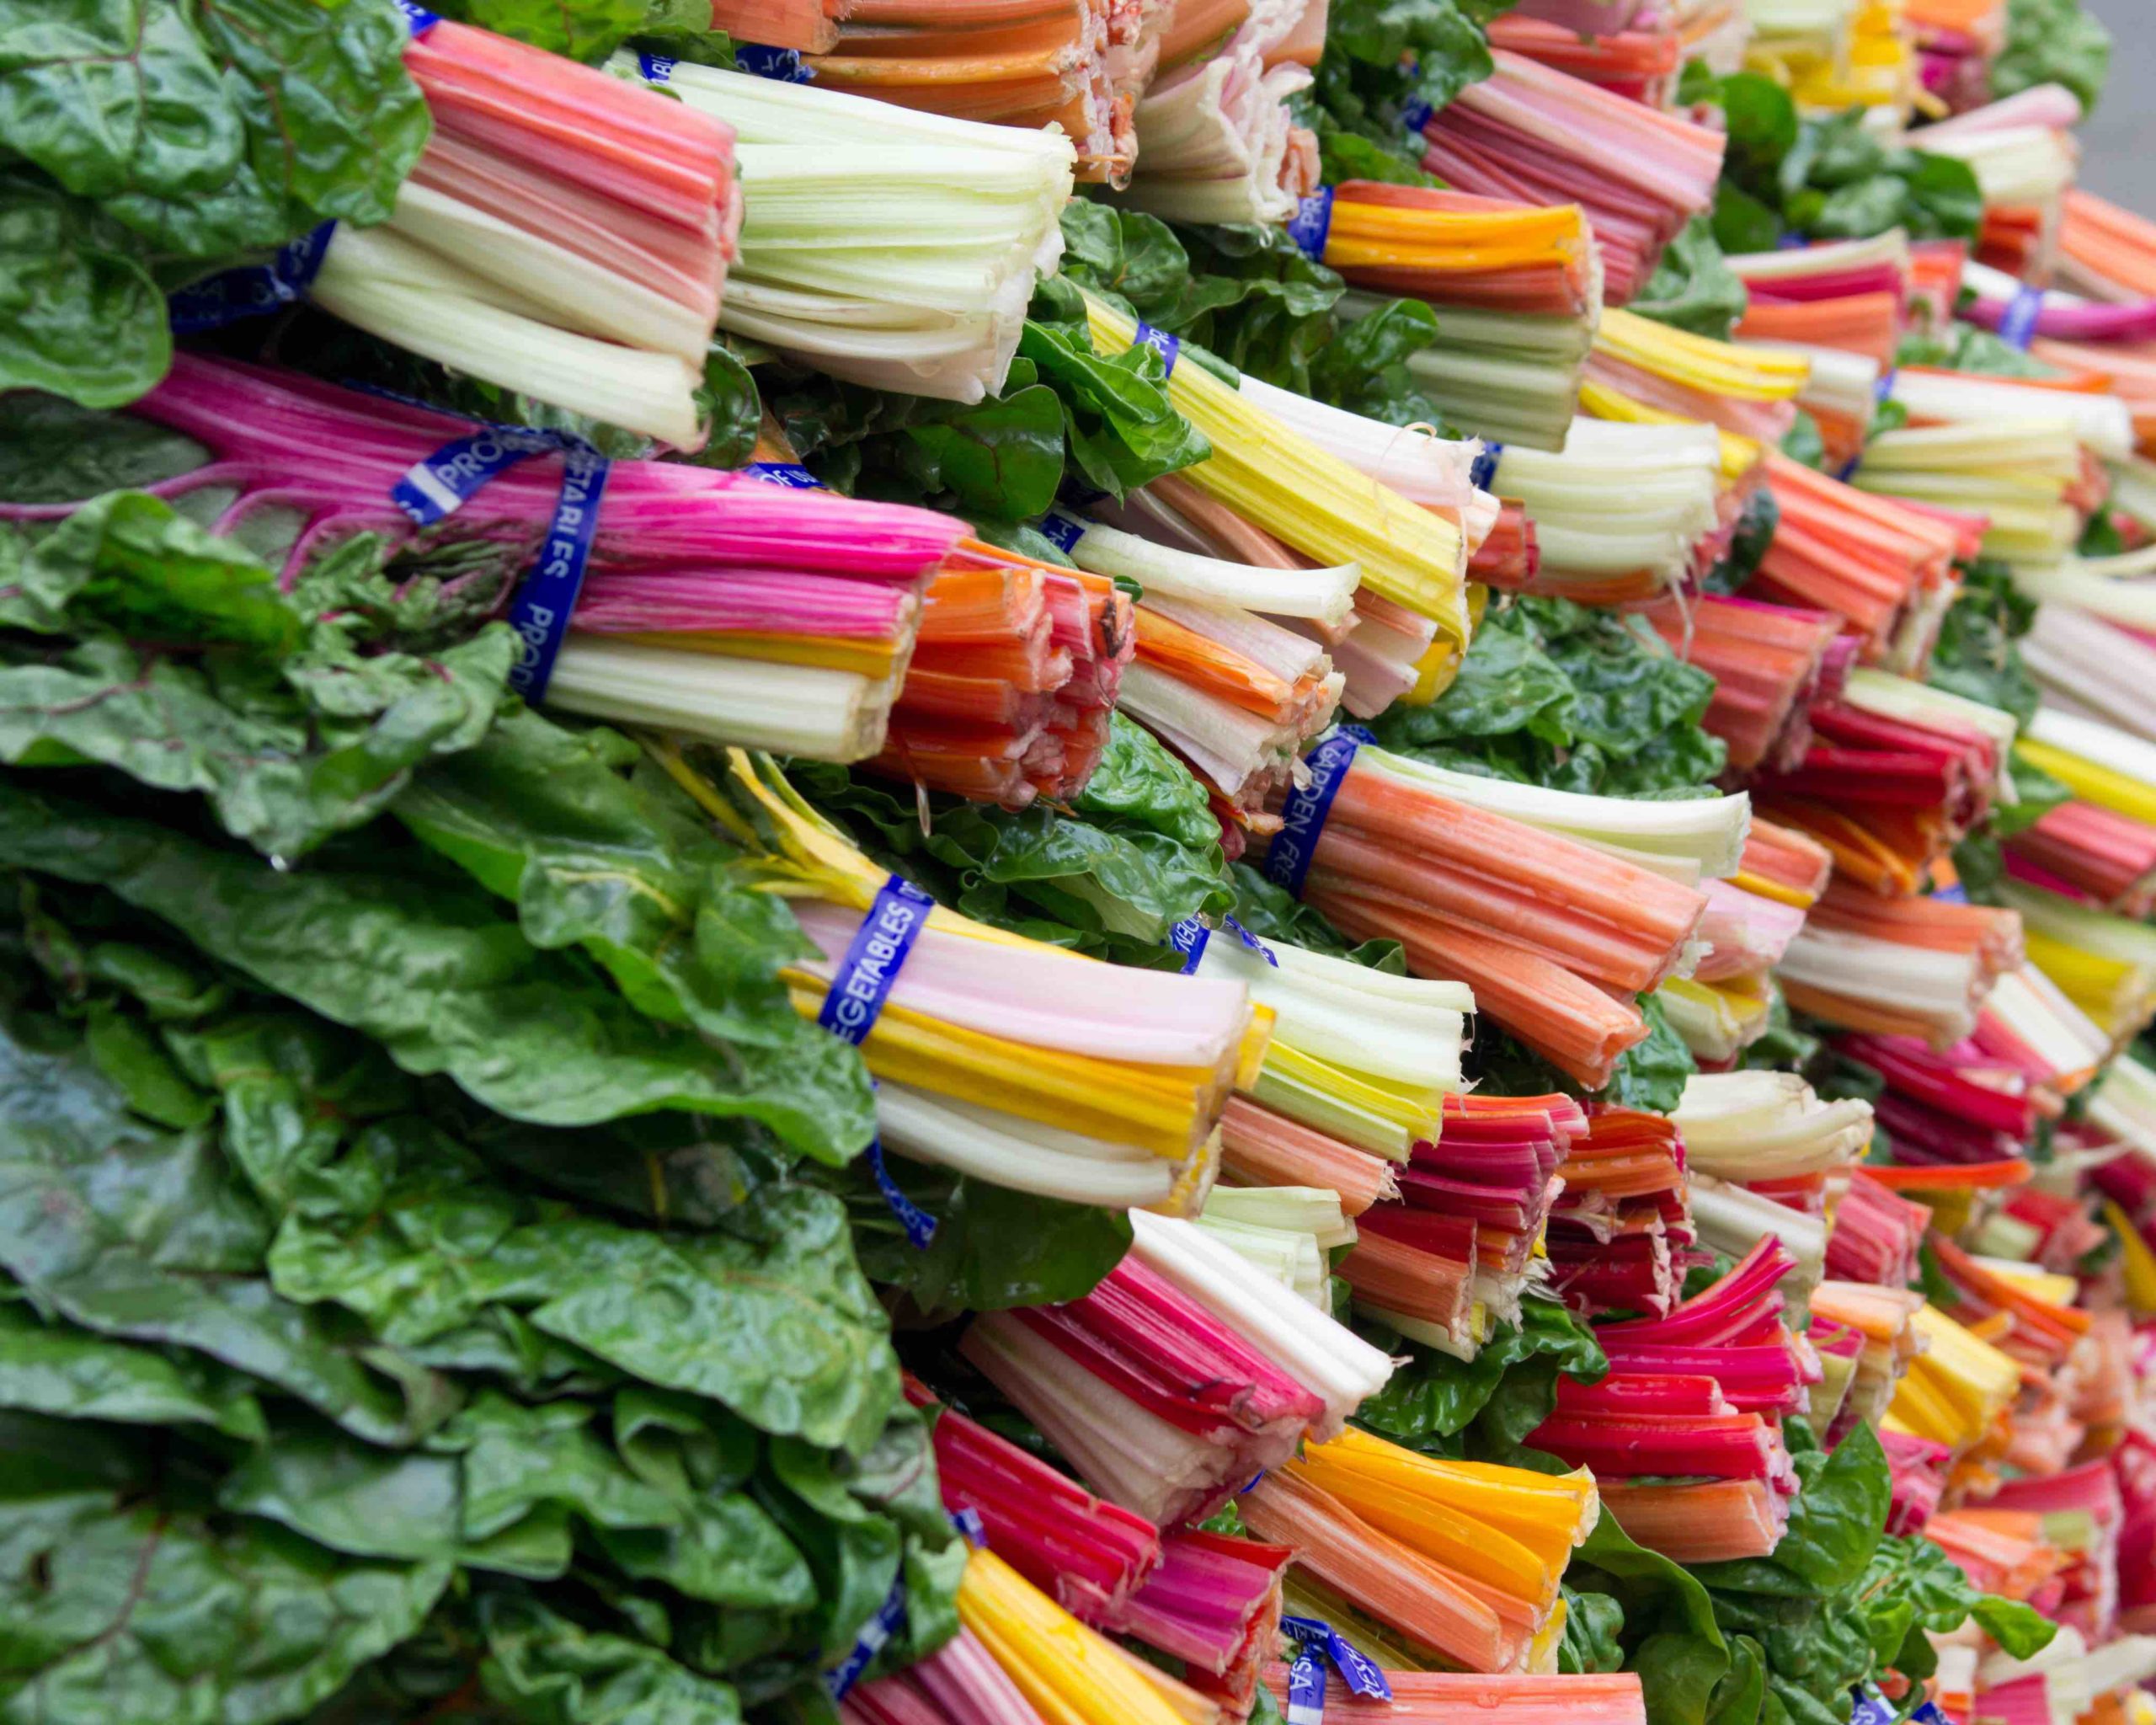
<point x="1214" y="1604"/>
<point x="959" y="1684"/>
<point x="1620" y="1235"/>
<point x="1696" y="1395"/>
<point x="711" y="603"/>
<point x="1088" y="1556"/>
<point x="833" y="267"/>
<point x="1158" y="1406"/>
<point x="1451" y="1262"/>
<point x="564" y="236"/>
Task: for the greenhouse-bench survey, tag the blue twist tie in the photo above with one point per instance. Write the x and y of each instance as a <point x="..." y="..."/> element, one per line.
<point x="540" y="611"/>
<point x="783" y="65"/>
<point x="1316" y="1641"/>
<point x="1061" y="531"/>
<point x="791" y="474"/>
<point x="875" y="1636"/>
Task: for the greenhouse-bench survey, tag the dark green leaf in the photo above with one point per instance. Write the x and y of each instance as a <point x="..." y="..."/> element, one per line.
<point x="1692" y="288"/>
<point x="120" y="1612"/>
<point x="423" y="964"/>
<point x="76" y="1374"/>
<point x="80" y="315"/>
<point x="2052" y="41"/>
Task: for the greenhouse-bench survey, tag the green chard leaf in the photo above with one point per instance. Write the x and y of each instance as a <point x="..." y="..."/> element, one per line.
<point x="393" y="945"/>
<point x="2053" y="41"/>
<point x="121" y="1610"/>
<point x="1692" y="288"/>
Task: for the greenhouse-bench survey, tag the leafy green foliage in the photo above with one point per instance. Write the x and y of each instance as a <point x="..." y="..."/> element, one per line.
<point x="1553" y="693"/>
<point x="1001" y="460"/>
<point x="1499" y="1396"/>
<point x="591" y="1461"/>
<point x="1380" y="57"/>
<point x="2053" y="41"/>
<point x="150" y="141"/>
<point x="1976" y="655"/>
<point x="1825" y="178"/>
<point x="298" y="715"/>
<point x="1747" y="546"/>
<point x="1669" y="1634"/>
<point x="1137" y="851"/>
<point x="1964" y="347"/>
<point x="1692" y="288"/>
<point x="1250" y="295"/>
<point x="396" y="945"/>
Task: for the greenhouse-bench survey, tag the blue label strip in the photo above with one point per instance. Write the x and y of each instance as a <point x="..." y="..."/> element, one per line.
<point x="417" y="18"/>
<point x="1061" y="531"/>
<point x="2017" y="328"/>
<point x="1315" y="1635"/>
<point x="1883" y="391"/>
<point x="539" y="611"/>
<point x="1303" y="816"/>
<point x="441" y="484"/>
<point x="1867" y="1706"/>
<point x="859" y="988"/>
<point x="656" y="68"/>
<point x="1189" y="937"/>
<point x="783" y="64"/>
<point x="971" y="1528"/>
<point x="1486" y="466"/>
<point x="1415" y="116"/>
<point x="1312" y="223"/>
<point x="1165" y="345"/>
<point x="873" y="959"/>
<point x="791" y="474"/>
<point x="1305" y="1688"/>
<point x="875" y="1636"/>
<point x="252" y="289"/>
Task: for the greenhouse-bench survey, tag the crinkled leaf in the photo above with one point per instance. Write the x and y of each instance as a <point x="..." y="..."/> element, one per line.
<point x="80" y="315"/>
<point x="1120" y="425"/>
<point x="120" y="1612"/>
<point x="1671" y="1636"/>
<point x="1437" y="1395"/>
<point x="1143" y="853"/>
<point x="60" y="1369"/>
<point x="544" y="1668"/>
<point x="993" y="1248"/>
<point x="583" y="29"/>
<point x="2052" y="41"/>
<point x="328" y="121"/>
<point x="421" y="964"/>
<point x="145" y="1236"/>
<point x="1692" y="287"/>
<point x="599" y="855"/>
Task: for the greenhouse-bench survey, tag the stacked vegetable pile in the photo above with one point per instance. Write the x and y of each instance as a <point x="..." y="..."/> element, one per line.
<point x="1075" y="864"/>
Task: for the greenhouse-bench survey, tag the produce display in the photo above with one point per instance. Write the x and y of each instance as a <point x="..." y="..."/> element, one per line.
<point x="1074" y="862"/>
